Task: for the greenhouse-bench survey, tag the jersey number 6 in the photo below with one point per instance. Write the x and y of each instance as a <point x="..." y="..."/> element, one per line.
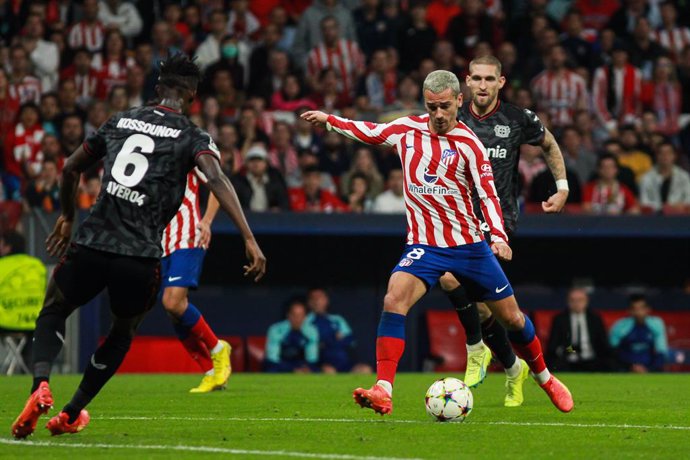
<point x="130" y="166"/>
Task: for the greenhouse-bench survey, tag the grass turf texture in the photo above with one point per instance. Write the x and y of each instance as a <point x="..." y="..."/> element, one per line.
<point x="631" y="416"/>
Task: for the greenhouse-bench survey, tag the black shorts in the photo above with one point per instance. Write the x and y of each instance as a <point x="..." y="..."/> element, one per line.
<point x="132" y="282"/>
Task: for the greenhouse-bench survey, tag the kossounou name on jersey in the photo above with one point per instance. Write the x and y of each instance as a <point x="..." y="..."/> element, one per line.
<point x="503" y="131"/>
<point x="147" y="154"/>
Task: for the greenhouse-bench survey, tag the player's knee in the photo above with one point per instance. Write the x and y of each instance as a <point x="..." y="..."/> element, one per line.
<point x="394" y="303"/>
<point x="175" y="303"/>
<point x="513" y="321"/>
<point x="448" y="282"/>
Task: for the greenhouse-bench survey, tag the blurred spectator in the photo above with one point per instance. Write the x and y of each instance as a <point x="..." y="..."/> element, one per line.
<point x="197" y="34"/>
<point x="625" y="175"/>
<point x="143" y="57"/>
<point x="210" y="116"/>
<point x="631" y="154"/>
<point x="71" y="133"/>
<point x="228" y="61"/>
<point x="304" y="137"/>
<point x="44" y="191"/>
<point x="558" y="90"/>
<point x="363" y="163"/>
<point x="334" y="156"/>
<point x="440" y="12"/>
<point x="445" y="58"/>
<point x="578" y="340"/>
<point x="596" y="13"/>
<point x="88" y="33"/>
<point x="643" y="50"/>
<point x="223" y="89"/>
<point x="543" y="186"/>
<point x="328" y="94"/>
<point x="663" y="95"/>
<point x="23" y="155"/>
<point x="592" y="136"/>
<point x="605" y="194"/>
<point x="470" y="27"/>
<point x="665" y="184"/>
<point x="336" y="341"/>
<point x="416" y="39"/>
<point x="535" y="62"/>
<point x="292" y="345"/>
<point x="89" y="191"/>
<point x="249" y="131"/>
<point x="9" y="107"/>
<point x="357" y="195"/>
<point x="282" y="154"/>
<point x="120" y="15"/>
<point x="44" y="55"/>
<point x="380" y="83"/>
<point x="67" y="99"/>
<point x="374" y="30"/>
<point x="307" y="158"/>
<point x="684" y="78"/>
<point x="230" y="156"/>
<point x="96" y="115"/>
<point x="162" y="42"/>
<point x="52" y="150"/>
<point x="112" y="64"/>
<point x="406" y="103"/>
<point x="83" y="74"/>
<point x="286" y="29"/>
<point x="623" y="20"/>
<point x="392" y="201"/>
<point x="511" y="68"/>
<point x="24" y="86"/>
<point x="241" y="22"/>
<point x="260" y="187"/>
<point x="639" y="340"/>
<point x="530" y="165"/>
<point x="118" y="100"/>
<point x="342" y="55"/>
<point x="179" y="30"/>
<point x="671" y="35"/>
<point x="574" y="40"/>
<point x="309" y="33"/>
<point x="291" y="95"/>
<point x="208" y="51"/>
<point x="311" y="197"/>
<point x="582" y="161"/>
<point x="261" y="68"/>
<point x="616" y="91"/>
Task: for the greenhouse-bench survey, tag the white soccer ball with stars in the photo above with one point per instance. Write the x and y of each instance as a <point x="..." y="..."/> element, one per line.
<point x="449" y="400"/>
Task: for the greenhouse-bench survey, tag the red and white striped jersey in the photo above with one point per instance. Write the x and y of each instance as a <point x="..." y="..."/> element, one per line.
<point x="27" y="90"/>
<point x="560" y="95"/>
<point x="346" y="59"/>
<point x="89" y="36"/>
<point x="440" y="173"/>
<point x="674" y="40"/>
<point x="181" y="232"/>
<point x="625" y="105"/>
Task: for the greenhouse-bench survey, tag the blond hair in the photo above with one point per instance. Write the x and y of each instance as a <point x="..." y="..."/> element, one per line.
<point x="440" y="80"/>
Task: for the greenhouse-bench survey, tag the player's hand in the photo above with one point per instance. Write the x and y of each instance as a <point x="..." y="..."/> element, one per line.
<point x="204" y="234"/>
<point x="59" y="238"/>
<point x="315" y="117"/>
<point x="257" y="261"/>
<point x="502" y="251"/>
<point x="555" y="202"/>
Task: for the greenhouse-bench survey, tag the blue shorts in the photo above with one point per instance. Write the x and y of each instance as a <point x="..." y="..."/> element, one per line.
<point x="182" y="268"/>
<point x="474" y="265"/>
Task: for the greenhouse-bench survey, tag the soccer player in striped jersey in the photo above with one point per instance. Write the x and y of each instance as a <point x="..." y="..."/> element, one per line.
<point x="185" y="241"/>
<point x="443" y="161"/>
<point x="503" y="128"/>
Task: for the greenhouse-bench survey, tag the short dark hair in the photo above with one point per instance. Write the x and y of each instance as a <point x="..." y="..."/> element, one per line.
<point x="606" y="156"/>
<point x="310" y="169"/>
<point x="179" y="72"/>
<point x="634" y="298"/>
<point x="15" y="240"/>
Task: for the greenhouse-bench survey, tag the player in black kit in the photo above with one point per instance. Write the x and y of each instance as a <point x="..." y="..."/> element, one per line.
<point x="503" y="128"/>
<point x="147" y="153"/>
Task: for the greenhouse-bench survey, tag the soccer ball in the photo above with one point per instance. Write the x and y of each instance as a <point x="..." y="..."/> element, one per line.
<point x="449" y="400"/>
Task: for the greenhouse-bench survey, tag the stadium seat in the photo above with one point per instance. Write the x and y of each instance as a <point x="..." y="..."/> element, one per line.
<point x="446" y="340"/>
<point x="256" y="348"/>
<point x="238" y="358"/>
<point x="542" y="320"/>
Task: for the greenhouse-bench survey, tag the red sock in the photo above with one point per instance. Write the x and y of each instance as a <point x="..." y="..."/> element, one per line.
<point x="203" y="332"/>
<point x="388" y="353"/>
<point x="531" y="352"/>
<point x="199" y="352"/>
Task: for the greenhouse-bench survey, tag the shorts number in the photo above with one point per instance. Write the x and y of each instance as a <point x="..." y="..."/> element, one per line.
<point x="130" y="166"/>
<point x="415" y="254"/>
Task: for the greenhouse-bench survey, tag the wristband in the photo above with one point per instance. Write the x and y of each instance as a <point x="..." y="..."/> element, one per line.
<point x="562" y="184"/>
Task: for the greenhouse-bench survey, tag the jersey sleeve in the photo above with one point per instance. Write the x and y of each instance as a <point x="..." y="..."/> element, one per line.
<point x="366" y="131"/>
<point x="95" y="144"/>
<point x="203" y="144"/>
<point x="532" y="129"/>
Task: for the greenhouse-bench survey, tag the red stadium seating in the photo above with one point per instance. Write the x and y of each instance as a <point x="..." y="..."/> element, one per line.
<point x="256" y="349"/>
<point x="446" y="340"/>
<point x="167" y="355"/>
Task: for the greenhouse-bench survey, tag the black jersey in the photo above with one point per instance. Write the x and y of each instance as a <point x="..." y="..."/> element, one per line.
<point x="147" y="153"/>
<point x="503" y="131"/>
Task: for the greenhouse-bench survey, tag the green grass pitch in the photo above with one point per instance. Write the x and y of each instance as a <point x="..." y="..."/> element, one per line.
<point x="313" y="416"/>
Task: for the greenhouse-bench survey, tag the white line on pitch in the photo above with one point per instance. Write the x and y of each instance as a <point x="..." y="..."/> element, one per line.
<point x="206" y="449"/>
<point x="351" y="420"/>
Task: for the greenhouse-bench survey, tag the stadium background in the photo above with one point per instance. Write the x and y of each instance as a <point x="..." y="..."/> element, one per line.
<point x="352" y="253"/>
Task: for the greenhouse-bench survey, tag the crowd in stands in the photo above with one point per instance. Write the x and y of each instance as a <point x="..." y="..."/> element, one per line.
<point x="610" y="78"/>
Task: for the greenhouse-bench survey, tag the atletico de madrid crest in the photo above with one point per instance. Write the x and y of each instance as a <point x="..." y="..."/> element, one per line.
<point x="448" y="156"/>
<point x="502" y="130"/>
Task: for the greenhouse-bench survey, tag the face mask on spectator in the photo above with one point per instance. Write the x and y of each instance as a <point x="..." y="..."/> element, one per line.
<point x="230" y="51"/>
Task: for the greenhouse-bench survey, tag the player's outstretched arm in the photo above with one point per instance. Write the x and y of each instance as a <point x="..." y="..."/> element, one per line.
<point x="59" y="238"/>
<point x="554" y="159"/>
<point x="225" y="193"/>
<point x="360" y="131"/>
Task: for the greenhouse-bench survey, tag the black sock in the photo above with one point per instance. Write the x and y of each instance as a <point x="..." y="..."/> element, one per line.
<point x="467" y="313"/>
<point x="37" y="383"/>
<point x="496" y="338"/>
<point x="78" y="402"/>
